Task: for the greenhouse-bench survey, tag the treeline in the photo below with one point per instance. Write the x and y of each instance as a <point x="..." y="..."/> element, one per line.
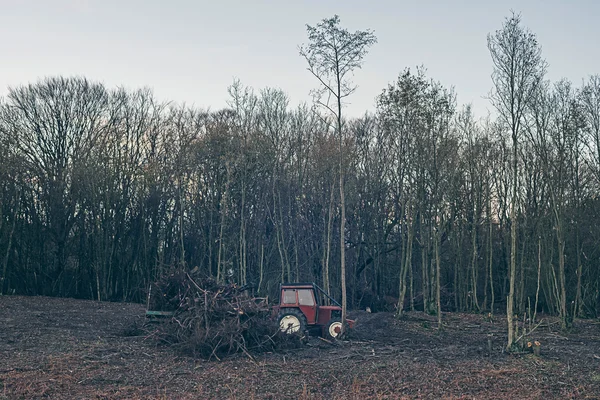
<point x="102" y="190"/>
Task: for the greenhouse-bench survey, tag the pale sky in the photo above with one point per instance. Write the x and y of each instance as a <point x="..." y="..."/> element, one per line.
<point x="191" y="51"/>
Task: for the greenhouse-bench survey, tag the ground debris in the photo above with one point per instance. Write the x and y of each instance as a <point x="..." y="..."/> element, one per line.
<point x="74" y="349"/>
<point x="211" y="320"/>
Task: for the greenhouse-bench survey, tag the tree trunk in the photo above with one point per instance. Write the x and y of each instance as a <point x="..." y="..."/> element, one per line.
<point x="343" y="245"/>
<point x="513" y="251"/>
<point x="342" y="204"/>
<point x="539" y="273"/>
<point x="181" y="212"/>
<point x="520" y="295"/>
<point x="425" y="277"/>
<point x="9" y="245"/>
<point x="262" y="267"/>
<point x="437" y="279"/>
<point x="210" y="243"/>
<point x="220" y="271"/>
<point x="223" y="210"/>
<point x="326" y="256"/>
<point x="474" y="259"/>
<point x="561" y="276"/>
<point x="491" y="252"/>
<point x="406" y="264"/>
<point x="411" y="279"/>
<point x="577" y="307"/>
<point x="242" y="244"/>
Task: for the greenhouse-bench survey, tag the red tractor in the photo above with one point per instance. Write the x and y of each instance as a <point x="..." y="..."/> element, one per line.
<point x="302" y="309"/>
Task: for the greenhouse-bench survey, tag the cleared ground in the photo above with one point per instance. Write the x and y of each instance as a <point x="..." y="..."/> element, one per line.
<point x="72" y="349"/>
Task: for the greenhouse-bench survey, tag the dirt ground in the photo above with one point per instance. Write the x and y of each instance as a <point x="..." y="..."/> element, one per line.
<point x="53" y="348"/>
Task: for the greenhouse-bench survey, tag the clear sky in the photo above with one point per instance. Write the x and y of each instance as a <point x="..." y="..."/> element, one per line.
<point x="190" y="51"/>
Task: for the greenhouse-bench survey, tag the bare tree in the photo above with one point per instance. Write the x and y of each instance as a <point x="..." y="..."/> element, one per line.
<point x="401" y="108"/>
<point x="56" y="124"/>
<point x="518" y="69"/>
<point x="553" y="134"/>
<point x="332" y="54"/>
<point x="244" y="103"/>
<point x="9" y="198"/>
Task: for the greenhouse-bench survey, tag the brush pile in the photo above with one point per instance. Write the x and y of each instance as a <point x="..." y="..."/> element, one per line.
<point x="210" y="319"/>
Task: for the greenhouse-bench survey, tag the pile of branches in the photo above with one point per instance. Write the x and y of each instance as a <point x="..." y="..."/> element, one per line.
<point x="211" y="320"/>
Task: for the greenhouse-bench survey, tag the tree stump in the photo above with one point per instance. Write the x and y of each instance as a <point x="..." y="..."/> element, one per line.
<point x="537" y="348"/>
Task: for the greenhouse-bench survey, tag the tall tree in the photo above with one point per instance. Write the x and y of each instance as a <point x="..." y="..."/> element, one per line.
<point x="57" y="123"/>
<point x="332" y="54"/>
<point x="518" y="69"/>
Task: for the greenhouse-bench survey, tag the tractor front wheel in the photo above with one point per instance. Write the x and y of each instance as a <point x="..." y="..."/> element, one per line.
<point x="333" y="329"/>
<point x="291" y="322"/>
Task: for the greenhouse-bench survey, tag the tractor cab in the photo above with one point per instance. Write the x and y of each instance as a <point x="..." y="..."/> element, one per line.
<point x="302" y="307"/>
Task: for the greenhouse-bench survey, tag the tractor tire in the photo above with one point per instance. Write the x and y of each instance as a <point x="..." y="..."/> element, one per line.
<point x="333" y="329"/>
<point x="292" y="322"/>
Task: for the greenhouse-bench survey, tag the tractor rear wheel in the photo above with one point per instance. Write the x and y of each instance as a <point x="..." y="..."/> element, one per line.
<point x="292" y="321"/>
<point x="333" y="329"/>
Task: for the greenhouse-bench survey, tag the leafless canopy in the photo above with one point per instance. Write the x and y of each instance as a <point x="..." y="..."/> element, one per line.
<point x="332" y="54"/>
<point x="518" y="70"/>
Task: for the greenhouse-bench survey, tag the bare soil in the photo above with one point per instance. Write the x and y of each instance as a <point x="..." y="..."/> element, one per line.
<point x="52" y="348"/>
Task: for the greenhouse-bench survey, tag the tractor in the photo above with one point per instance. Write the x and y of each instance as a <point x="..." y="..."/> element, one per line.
<point x="302" y="310"/>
